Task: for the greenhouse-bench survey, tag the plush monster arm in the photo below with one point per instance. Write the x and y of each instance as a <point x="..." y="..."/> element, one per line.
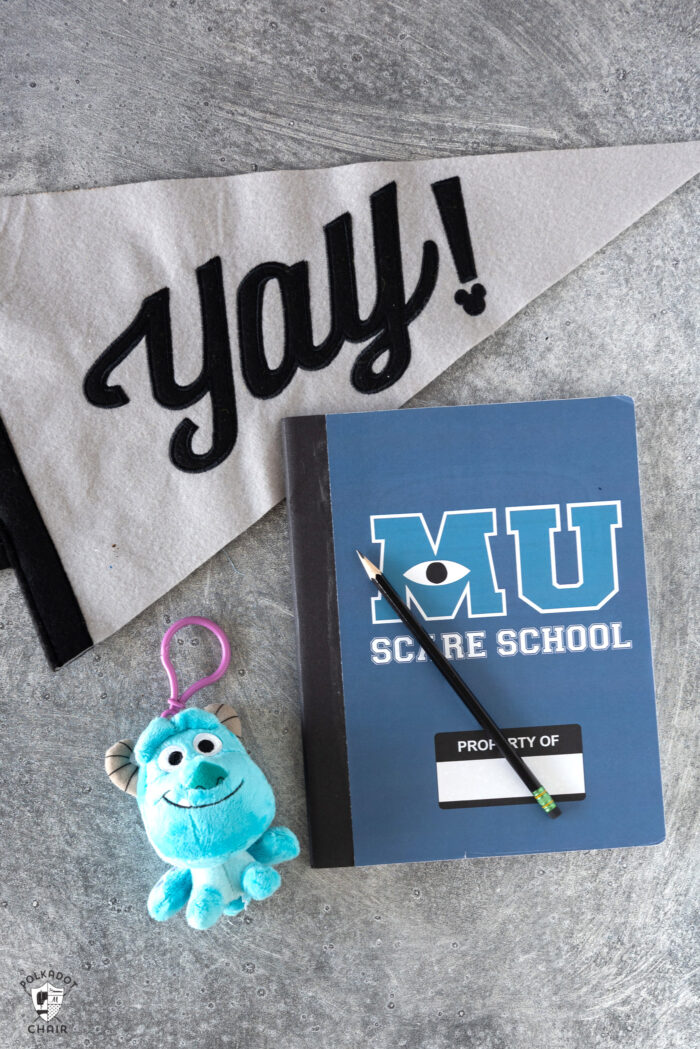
<point x="170" y="893"/>
<point x="275" y="846"/>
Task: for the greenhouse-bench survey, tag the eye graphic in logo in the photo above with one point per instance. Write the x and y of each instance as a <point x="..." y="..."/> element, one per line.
<point x="47" y="1000"/>
<point x="436" y="573"/>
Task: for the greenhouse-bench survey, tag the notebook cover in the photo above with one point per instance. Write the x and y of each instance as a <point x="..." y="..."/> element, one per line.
<point x="515" y="532"/>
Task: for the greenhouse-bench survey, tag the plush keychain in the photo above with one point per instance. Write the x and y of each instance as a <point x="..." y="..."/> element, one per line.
<point x="206" y="806"/>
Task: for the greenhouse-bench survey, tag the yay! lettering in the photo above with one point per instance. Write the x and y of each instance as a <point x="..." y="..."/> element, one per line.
<point x="385" y="330"/>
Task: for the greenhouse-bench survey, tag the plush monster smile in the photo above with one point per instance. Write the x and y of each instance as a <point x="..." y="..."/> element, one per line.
<point x="206" y="805"/>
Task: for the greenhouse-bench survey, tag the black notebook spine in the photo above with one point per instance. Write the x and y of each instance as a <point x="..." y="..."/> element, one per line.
<point x="318" y="641"/>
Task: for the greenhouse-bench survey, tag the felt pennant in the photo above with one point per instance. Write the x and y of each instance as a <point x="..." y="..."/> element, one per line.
<point x="153" y="336"/>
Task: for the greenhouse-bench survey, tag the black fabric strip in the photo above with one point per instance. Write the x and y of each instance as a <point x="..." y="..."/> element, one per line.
<point x="318" y="642"/>
<point x="29" y="549"/>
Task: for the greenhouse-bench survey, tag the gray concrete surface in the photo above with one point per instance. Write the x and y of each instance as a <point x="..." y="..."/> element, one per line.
<point x="554" y="952"/>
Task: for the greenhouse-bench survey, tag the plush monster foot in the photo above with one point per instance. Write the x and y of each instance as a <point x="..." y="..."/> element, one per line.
<point x="260" y="881"/>
<point x="235" y="906"/>
<point x="169" y="894"/>
<point x="205" y="908"/>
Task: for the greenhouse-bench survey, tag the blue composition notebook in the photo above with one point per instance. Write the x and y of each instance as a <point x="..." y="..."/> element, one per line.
<point x="514" y="533"/>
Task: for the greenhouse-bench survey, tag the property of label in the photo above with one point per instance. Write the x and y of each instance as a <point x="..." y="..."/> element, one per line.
<point x="472" y="771"/>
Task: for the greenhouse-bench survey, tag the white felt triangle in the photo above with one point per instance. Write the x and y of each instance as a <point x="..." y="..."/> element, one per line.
<point x="75" y="268"/>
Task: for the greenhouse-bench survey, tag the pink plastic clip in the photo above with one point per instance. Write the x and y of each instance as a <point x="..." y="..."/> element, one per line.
<point x="176" y="703"/>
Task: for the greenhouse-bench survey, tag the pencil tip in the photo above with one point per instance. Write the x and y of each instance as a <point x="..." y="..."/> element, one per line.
<point x="369" y="568"/>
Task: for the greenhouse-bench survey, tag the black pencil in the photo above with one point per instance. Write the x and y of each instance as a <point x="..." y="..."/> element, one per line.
<point x="470" y="701"/>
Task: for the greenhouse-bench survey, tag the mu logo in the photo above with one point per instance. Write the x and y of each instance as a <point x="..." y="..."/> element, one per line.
<point x="437" y="575"/>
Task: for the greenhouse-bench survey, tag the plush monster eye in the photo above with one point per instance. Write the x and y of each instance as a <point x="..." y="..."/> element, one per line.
<point x="170" y="757"/>
<point x="207" y="743"/>
<point x="436" y="573"/>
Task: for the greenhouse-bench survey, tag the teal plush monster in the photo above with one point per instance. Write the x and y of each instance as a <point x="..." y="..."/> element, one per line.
<point x="207" y="809"/>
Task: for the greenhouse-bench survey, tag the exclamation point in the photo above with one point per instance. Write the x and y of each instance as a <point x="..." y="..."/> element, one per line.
<point x="450" y="202"/>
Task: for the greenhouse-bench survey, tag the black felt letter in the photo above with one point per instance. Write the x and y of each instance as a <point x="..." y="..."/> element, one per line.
<point x="388" y="321"/>
<point x="152" y="324"/>
<point x="392" y="313"/>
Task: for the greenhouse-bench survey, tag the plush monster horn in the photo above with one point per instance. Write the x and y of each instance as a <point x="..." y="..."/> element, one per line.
<point x="227" y="716"/>
<point x="120" y="766"/>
